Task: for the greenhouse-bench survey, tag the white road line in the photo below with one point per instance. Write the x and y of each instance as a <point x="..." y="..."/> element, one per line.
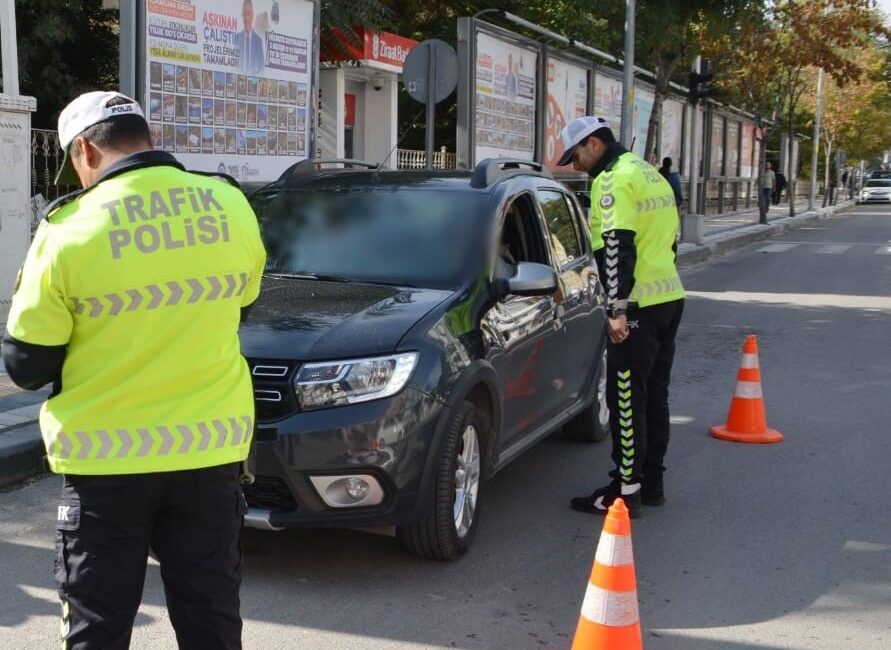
<point x="833" y="249"/>
<point x="883" y="250"/>
<point x="776" y="248"/>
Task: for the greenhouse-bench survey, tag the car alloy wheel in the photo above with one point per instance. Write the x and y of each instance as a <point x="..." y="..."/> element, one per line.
<point x="467" y="481"/>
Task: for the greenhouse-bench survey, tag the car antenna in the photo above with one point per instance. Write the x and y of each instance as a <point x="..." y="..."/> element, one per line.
<point x="398" y="142"/>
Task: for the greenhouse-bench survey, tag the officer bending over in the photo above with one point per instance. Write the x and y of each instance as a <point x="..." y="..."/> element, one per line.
<point x="129" y="302"/>
<point x="633" y="213"/>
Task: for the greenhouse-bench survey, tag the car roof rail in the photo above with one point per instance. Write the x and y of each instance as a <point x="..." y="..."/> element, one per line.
<point x="493" y="169"/>
<point x="308" y="166"/>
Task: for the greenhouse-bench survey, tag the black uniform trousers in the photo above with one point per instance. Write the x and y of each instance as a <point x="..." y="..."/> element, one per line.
<point x="191" y="519"/>
<point x="638" y="374"/>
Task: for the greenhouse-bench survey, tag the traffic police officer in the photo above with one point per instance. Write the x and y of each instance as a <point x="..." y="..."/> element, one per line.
<point x="129" y="301"/>
<point x="634" y="215"/>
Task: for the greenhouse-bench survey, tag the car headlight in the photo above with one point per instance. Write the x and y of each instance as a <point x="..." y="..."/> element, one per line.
<point x="337" y="383"/>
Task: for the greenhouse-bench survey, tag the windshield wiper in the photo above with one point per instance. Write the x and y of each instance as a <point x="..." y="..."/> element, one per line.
<point x="326" y="277"/>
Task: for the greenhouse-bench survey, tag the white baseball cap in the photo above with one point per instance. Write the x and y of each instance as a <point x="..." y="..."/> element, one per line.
<point x="82" y="113"/>
<point x="576" y="131"/>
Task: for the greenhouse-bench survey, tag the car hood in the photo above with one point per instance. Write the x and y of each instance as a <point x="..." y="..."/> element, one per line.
<point x="314" y="320"/>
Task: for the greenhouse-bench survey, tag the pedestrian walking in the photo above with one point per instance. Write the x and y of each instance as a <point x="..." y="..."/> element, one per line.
<point x="129" y="302"/>
<point x="768" y="182"/>
<point x="674" y="179"/>
<point x="634" y="215"/>
<point x="780" y="180"/>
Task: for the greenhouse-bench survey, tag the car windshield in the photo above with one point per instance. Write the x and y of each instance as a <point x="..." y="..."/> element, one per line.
<point x="879" y="183"/>
<point x="404" y="237"/>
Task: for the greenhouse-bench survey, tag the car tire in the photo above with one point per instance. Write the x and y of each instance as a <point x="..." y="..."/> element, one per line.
<point x="592" y="424"/>
<point x="448" y="530"/>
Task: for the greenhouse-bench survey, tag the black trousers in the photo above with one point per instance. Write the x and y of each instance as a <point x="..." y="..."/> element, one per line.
<point x="192" y="520"/>
<point x="638" y="374"/>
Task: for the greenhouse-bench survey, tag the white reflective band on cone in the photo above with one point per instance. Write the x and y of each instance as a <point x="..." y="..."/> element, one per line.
<point x="614" y="550"/>
<point x="749" y="361"/>
<point x="611" y="608"/>
<point x="749" y="390"/>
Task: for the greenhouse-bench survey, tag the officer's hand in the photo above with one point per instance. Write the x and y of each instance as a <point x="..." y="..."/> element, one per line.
<point x="618" y="329"/>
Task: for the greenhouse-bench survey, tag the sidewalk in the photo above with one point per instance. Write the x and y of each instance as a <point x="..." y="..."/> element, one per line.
<point x="21" y="448"/>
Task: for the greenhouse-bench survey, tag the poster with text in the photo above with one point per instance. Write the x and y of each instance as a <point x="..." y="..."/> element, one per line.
<point x="567" y="100"/>
<point x="717" y="165"/>
<point x="748" y="140"/>
<point x="505" y="99"/>
<point x="608" y="101"/>
<point x="643" y="108"/>
<point x="732" y="166"/>
<point x="228" y="83"/>
<point x="672" y="132"/>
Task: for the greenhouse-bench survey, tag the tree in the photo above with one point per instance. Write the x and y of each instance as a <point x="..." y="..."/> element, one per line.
<point x="766" y="54"/>
<point x="65" y="48"/>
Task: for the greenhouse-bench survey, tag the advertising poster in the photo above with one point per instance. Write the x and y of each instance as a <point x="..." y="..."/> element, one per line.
<point x="227" y="83"/>
<point x="748" y="138"/>
<point x="732" y="167"/>
<point x="505" y="99"/>
<point x="672" y="131"/>
<point x="567" y="100"/>
<point x="643" y="107"/>
<point x="717" y="165"/>
<point x="756" y="155"/>
<point x="608" y="101"/>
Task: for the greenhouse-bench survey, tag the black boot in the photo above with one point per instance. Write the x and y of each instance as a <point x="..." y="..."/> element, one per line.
<point x="653" y="492"/>
<point x="599" y="501"/>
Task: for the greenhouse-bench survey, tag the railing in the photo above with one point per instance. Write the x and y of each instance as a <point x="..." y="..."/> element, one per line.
<point x="46" y="160"/>
<point x="411" y="159"/>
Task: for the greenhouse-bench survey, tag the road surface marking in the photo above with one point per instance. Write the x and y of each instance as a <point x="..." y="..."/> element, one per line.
<point x="776" y="248"/>
<point x="833" y="249"/>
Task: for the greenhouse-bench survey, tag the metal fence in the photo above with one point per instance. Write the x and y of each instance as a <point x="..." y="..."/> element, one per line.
<point x="46" y="159"/>
<point x="412" y="159"/>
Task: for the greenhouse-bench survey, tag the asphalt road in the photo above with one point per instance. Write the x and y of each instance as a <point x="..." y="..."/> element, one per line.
<point x="775" y="546"/>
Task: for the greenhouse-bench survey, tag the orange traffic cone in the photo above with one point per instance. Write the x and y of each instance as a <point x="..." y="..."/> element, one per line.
<point x="609" y="619"/>
<point x="746" y="421"/>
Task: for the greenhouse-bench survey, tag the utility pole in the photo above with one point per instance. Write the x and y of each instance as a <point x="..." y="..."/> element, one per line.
<point x="812" y="195"/>
<point x="628" y="78"/>
<point x="9" y="45"/>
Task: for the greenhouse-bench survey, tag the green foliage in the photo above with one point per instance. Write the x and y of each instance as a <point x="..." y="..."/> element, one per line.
<point x="65" y="48"/>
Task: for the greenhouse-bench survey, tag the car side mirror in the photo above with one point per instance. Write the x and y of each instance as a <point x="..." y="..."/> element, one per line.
<point x="532" y="279"/>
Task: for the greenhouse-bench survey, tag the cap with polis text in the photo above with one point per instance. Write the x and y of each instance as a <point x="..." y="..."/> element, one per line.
<point x="576" y="131"/>
<point x="82" y="113"/>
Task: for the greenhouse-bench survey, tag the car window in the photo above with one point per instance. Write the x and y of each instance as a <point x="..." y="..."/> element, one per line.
<point x="405" y="236"/>
<point x="879" y="183"/>
<point x="561" y="226"/>
<point x="521" y="238"/>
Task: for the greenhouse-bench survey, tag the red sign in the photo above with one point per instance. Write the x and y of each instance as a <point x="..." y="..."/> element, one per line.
<point x="349" y="113"/>
<point x="380" y="47"/>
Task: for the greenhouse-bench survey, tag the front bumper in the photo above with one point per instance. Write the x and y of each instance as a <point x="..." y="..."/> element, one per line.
<point x="882" y="198"/>
<point x="390" y="440"/>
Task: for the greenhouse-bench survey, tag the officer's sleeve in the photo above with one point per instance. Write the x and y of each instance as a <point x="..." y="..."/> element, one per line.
<point x="39" y="314"/>
<point x="619" y="215"/>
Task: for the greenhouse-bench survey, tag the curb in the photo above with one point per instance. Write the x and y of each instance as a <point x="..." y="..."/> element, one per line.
<point x="21" y="453"/>
<point x="724" y="242"/>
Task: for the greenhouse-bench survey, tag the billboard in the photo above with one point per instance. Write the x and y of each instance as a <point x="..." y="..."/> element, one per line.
<point x="567" y="99"/>
<point x="227" y="85"/>
<point x="732" y="167"/>
<point x="717" y="144"/>
<point x="643" y="108"/>
<point x="505" y="98"/>
<point x="748" y="142"/>
<point x="671" y="144"/>
<point x="608" y="101"/>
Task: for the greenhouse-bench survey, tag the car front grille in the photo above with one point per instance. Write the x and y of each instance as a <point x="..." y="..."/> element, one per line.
<point x="273" y="393"/>
<point x="270" y="493"/>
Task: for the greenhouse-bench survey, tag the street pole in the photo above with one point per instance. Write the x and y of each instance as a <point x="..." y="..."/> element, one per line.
<point x="812" y="196"/>
<point x="431" y="103"/>
<point x="628" y="77"/>
<point x="8" y="41"/>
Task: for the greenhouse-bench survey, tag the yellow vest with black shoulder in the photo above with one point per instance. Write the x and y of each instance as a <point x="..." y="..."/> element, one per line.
<point x="143" y="277"/>
<point x="632" y="195"/>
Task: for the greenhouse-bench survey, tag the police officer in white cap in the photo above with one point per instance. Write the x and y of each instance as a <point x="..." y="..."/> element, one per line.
<point x="634" y="220"/>
<point x="129" y="303"/>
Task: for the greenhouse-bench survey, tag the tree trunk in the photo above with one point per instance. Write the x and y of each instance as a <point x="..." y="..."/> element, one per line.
<point x="653" y="126"/>
<point x="762" y="159"/>
<point x="792" y="178"/>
